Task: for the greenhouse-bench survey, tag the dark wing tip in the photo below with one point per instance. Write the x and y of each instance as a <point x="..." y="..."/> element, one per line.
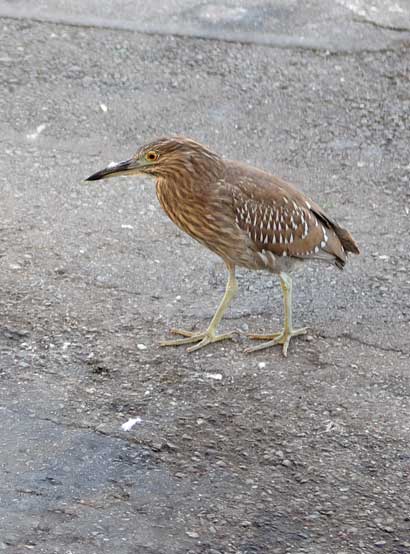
<point x="340" y="263"/>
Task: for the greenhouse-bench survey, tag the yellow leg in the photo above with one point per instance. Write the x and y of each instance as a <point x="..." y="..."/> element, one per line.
<point x="287" y="332"/>
<point x="209" y="336"/>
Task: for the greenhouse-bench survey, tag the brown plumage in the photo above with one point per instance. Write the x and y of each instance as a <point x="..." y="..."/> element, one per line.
<point x="245" y="215"/>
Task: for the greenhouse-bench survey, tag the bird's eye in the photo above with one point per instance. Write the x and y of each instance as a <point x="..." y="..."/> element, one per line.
<point x="151" y="156"/>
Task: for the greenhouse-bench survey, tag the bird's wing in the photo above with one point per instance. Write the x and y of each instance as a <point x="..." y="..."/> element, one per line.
<point x="280" y="219"/>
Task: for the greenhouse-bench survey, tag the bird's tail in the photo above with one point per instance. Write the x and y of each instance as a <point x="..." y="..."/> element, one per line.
<point x="343" y="241"/>
<point x="348" y="245"/>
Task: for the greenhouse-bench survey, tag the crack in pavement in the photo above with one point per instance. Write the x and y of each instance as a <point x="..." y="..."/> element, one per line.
<point x="381" y="25"/>
<point x="364" y="343"/>
<point x="273" y="40"/>
<point x="131" y="440"/>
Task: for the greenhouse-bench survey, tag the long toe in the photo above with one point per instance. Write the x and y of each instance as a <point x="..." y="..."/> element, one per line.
<point x="190" y="337"/>
<point x="185" y="333"/>
<point x="202" y="338"/>
<point x="269" y="337"/>
<point x="209" y="339"/>
<point x="282" y="338"/>
<point x="264" y="345"/>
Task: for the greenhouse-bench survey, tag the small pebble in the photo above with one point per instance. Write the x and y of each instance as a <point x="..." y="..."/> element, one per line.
<point x="245" y="523"/>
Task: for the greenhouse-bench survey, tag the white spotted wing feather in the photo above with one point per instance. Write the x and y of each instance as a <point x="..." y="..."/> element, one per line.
<point x="282" y="221"/>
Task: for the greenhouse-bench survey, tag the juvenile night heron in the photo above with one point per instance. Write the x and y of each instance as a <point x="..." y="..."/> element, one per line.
<point x="245" y="215"/>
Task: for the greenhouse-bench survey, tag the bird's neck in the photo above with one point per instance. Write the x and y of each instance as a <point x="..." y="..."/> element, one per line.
<point x="178" y="191"/>
<point x="184" y="193"/>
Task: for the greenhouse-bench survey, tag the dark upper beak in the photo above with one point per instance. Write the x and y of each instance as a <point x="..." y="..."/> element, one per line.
<point x="121" y="168"/>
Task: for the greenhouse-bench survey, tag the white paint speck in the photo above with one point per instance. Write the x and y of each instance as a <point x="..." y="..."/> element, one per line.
<point x="141" y="347"/>
<point x="261" y="365"/>
<point x="103" y="108"/>
<point x="130" y="423"/>
<point x="127" y="227"/>
<point x="214" y="376"/>
<point x="37" y="132"/>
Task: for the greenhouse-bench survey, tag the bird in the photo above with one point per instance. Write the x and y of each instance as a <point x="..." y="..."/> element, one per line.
<point x="243" y="214"/>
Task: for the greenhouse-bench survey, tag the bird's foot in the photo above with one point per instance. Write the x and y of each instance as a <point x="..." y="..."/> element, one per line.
<point x="282" y="338"/>
<point x="202" y="338"/>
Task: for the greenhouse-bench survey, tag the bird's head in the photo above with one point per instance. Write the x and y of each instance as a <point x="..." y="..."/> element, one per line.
<point x="166" y="157"/>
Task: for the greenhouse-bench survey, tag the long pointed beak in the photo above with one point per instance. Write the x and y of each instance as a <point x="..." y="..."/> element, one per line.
<point x="113" y="170"/>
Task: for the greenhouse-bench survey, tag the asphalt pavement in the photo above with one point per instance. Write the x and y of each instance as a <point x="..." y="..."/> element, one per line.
<point x="229" y="453"/>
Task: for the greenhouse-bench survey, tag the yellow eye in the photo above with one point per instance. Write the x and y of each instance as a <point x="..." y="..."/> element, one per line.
<point x="151" y="156"/>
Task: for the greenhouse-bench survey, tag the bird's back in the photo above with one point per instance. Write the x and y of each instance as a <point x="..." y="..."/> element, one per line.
<point x="281" y="221"/>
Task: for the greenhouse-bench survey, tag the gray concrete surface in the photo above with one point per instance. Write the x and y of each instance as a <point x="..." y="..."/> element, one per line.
<point x="233" y="454"/>
<point x="338" y="26"/>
